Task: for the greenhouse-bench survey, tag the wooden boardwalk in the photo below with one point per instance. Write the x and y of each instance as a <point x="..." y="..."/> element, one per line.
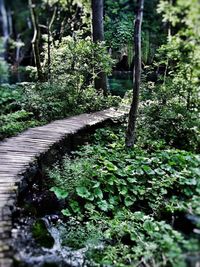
<point x="18" y="153"/>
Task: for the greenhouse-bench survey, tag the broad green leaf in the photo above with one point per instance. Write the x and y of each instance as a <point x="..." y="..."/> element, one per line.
<point x="98" y="193"/>
<point x="138" y="215"/>
<point x="123" y="190"/>
<point x="109" y="165"/>
<point x="66" y="212"/>
<point x="148" y="169"/>
<point x="75" y="206"/>
<point x="132" y="180"/>
<point x="128" y="201"/>
<point x="60" y="193"/>
<point x="150" y="226"/>
<point x="103" y="205"/>
<point x="83" y="192"/>
<point x="89" y="206"/>
<point x="160" y="171"/>
<point x="97" y="184"/>
<point x="114" y="200"/>
<point x="138" y="171"/>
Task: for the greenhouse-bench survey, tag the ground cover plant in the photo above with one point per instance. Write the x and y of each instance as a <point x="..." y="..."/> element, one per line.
<point x="131" y="201"/>
<point x="68" y="92"/>
<point x="37" y="104"/>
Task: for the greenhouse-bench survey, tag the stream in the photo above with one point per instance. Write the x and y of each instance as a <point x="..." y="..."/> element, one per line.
<point x="41" y="234"/>
<point x="28" y="253"/>
<point x="40" y="231"/>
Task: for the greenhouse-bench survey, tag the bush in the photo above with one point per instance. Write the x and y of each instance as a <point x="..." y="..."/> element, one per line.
<point x="69" y="91"/>
<point x="10" y="99"/>
<point x="74" y="66"/>
<point x="13" y="123"/>
<point x="131" y="197"/>
<point x="76" y="63"/>
<point x="172" y="123"/>
<point x="53" y="101"/>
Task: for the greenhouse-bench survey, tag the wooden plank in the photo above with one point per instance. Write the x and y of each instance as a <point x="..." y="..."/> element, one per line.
<point x="17" y="153"/>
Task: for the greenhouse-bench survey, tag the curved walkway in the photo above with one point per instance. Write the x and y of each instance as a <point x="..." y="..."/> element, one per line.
<point x="18" y="153"/>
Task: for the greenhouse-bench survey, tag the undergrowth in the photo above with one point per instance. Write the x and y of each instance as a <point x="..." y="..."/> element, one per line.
<point x="134" y="199"/>
<point x="30" y="105"/>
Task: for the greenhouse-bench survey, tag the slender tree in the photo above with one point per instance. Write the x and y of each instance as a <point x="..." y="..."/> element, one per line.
<point x="98" y="36"/>
<point x="130" y="134"/>
<point x="35" y="41"/>
<point x="49" y="38"/>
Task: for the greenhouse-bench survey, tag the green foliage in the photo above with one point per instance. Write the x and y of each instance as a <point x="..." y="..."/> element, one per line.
<point x="123" y="194"/>
<point x="69" y="91"/>
<point x="16" y="122"/>
<point x="36" y="104"/>
<point x="49" y="101"/>
<point x="83" y="61"/>
<point x="119" y="29"/>
<point x="88" y="235"/>
<point x="171" y="104"/>
<point x="139" y="238"/>
<point x="13" y="117"/>
<point x="9" y="99"/>
<point x="119" y="25"/>
<point x="41" y="234"/>
<point x="170" y="122"/>
<point x="180" y="54"/>
<point x="114" y="178"/>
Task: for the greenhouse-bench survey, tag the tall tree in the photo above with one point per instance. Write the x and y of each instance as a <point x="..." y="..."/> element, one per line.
<point x="98" y="36"/>
<point x="130" y="135"/>
<point x="35" y="41"/>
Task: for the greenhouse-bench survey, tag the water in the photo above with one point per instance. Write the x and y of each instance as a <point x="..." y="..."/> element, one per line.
<point x="4" y="23"/>
<point x="4" y="29"/>
<point x="62" y="234"/>
<point x="4" y="71"/>
<point x="29" y="254"/>
<point x="8" y="73"/>
<point x="120" y="83"/>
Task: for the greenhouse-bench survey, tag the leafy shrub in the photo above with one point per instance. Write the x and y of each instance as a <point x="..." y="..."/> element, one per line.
<point x="74" y="66"/>
<point x="53" y="101"/>
<point x="171" y="122"/>
<point x="75" y="63"/>
<point x="106" y="178"/>
<point x="69" y="91"/>
<point x="134" y="239"/>
<point x="125" y="194"/>
<point x="13" y="123"/>
<point x="9" y="99"/>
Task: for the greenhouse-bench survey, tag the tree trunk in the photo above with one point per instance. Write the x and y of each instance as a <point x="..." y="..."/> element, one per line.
<point x="97" y="21"/>
<point x="49" y="34"/>
<point x="98" y="36"/>
<point x="35" y="41"/>
<point x="130" y="134"/>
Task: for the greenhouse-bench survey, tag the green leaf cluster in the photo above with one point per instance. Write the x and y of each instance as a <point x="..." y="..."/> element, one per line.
<point x="124" y="195"/>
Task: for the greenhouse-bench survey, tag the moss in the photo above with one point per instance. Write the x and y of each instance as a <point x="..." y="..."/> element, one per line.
<point x="41" y="234"/>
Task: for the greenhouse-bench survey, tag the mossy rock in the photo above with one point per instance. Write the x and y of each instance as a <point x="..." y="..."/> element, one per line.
<point x="42" y="235"/>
